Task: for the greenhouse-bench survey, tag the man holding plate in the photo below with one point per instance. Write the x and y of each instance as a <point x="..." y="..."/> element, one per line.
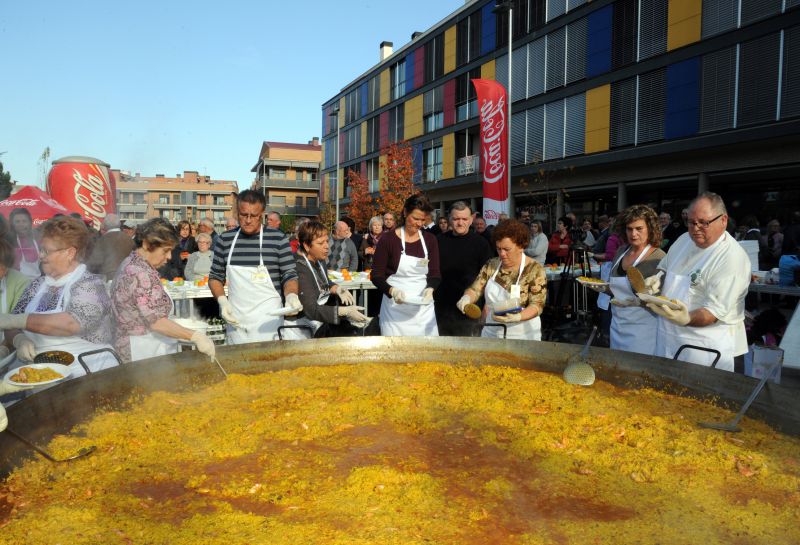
<point x="259" y="267"/>
<point x="707" y="278"/>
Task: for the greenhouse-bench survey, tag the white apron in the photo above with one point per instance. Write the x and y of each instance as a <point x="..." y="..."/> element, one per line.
<point x="153" y="344"/>
<point x="407" y="320"/>
<point x="252" y="297"/>
<point x="495" y="294"/>
<point x="4" y="296"/>
<point x="633" y="329"/>
<point x="603" y="299"/>
<point x="671" y="337"/>
<point x="297" y="334"/>
<point x="74" y="345"/>
<point x="29" y="268"/>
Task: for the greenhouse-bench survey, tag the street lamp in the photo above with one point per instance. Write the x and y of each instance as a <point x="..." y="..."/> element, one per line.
<point x="335" y="114"/>
<point x="502" y="6"/>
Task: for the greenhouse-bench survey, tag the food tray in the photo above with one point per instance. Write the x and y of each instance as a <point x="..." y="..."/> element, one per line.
<point x="647" y="298"/>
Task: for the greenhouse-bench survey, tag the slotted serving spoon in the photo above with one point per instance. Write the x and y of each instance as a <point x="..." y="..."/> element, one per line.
<point x="86" y="451"/>
<point x="577" y="370"/>
<point x="472" y="311"/>
<point x="733" y="425"/>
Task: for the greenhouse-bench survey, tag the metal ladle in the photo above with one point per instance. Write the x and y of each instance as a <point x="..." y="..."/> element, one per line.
<point x="733" y="425"/>
<point x="577" y="370"/>
<point x="86" y="451"/>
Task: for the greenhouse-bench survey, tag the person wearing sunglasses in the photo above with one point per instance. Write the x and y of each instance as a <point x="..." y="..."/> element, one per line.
<point x="707" y="275"/>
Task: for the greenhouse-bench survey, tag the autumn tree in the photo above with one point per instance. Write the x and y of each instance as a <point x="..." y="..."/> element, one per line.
<point x="397" y="183"/>
<point x="362" y="205"/>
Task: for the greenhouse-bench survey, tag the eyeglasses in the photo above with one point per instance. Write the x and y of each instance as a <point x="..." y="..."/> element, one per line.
<point x="249" y="216"/>
<point x="703" y="224"/>
<point x="43" y="252"/>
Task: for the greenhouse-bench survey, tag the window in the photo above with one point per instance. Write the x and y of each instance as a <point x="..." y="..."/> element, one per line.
<point x="374" y="94"/>
<point x="311" y="202"/>
<point x="556" y="8"/>
<point x="433" y="110"/>
<point x="219" y="200"/>
<point x="434" y="58"/>
<point x="298" y="201"/>
<point x="397" y="75"/>
<point x="466" y="100"/>
<point x="277" y="200"/>
<point x="163" y="199"/>
<point x="373" y="133"/>
<point x="138" y="198"/>
<point x="624" y="19"/>
<point x="758" y="80"/>
<point x="790" y="94"/>
<point x="652" y="105"/>
<point x="373" y="174"/>
<point x="717" y="84"/>
<point x="653" y="28"/>
<point x="352" y="143"/>
<point x="623" y="113"/>
<point x="554" y="130"/>
<point x="468" y="39"/>
<point x="351" y="106"/>
<point x="555" y="58"/>
<point x="467" y="151"/>
<point x="576" y="50"/>
<point x="219" y="216"/>
<point x="396" y="120"/>
<point x="432" y="157"/>
<point x="719" y="16"/>
<point x="520" y="15"/>
<point x="279" y="173"/>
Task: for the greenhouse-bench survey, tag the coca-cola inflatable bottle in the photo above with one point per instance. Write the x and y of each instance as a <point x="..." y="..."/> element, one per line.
<point x="83" y="184"/>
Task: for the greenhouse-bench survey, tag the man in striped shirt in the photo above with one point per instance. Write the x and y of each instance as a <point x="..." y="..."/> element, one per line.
<point x="259" y="266"/>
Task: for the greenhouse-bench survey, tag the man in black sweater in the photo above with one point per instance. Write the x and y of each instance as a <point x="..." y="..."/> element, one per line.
<point x="462" y="253"/>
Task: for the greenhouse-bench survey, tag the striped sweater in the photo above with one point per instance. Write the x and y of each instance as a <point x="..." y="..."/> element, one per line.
<point x="275" y="251"/>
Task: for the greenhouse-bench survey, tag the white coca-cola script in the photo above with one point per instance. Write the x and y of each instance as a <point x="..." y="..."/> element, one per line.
<point x="21" y="202"/>
<point x="93" y="204"/>
<point x="493" y="124"/>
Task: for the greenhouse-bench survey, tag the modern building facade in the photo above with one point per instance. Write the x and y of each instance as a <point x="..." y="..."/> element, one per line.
<point x="288" y="174"/>
<point x="614" y="103"/>
<point x="189" y="196"/>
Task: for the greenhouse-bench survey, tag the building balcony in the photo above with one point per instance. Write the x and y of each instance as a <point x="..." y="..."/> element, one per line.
<point x="467" y="165"/>
<point x="131" y="207"/>
<point x="285" y="183"/>
<point x="295" y="210"/>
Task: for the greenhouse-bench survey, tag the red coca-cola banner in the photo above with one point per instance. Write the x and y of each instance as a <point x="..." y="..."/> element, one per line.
<point x="83" y="184"/>
<point x="494" y="147"/>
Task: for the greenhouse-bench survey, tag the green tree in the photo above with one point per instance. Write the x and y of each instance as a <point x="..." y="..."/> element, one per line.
<point x="5" y="183"/>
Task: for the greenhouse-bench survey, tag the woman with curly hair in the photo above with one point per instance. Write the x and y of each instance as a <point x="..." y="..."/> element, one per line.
<point x="511" y="281"/>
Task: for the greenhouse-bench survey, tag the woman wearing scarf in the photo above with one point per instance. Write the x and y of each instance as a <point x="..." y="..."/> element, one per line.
<point x="367" y="250"/>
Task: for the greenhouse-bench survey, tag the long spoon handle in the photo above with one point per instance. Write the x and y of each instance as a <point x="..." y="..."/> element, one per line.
<point x="585" y="351"/>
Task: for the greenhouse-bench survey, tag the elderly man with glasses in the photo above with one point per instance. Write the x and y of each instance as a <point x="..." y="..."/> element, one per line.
<point x="707" y="278"/>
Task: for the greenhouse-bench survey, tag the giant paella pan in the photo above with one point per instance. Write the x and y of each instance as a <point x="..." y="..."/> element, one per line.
<point x="397" y="440"/>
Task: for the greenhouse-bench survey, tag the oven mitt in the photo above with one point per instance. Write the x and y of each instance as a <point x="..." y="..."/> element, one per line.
<point x="463" y="302"/>
<point x="345" y="296"/>
<point x="26" y="350"/>
<point x="13" y="321"/>
<point x="652" y="284"/>
<point x="293" y="302"/>
<point x="204" y="344"/>
<point x="679" y="316"/>
<point x="632" y="302"/>
<point x="398" y="296"/>
<point x="427" y="296"/>
<point x="508" y="318"/>
<point x="226" y="310"/>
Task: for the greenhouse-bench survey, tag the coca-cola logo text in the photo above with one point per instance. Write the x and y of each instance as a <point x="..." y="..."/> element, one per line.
<point x="493" y="124"/>
<point x="21" y="202"/>
<point x="93" y="204"/>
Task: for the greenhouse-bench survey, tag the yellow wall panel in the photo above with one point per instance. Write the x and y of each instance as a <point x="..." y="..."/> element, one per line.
<point x="340" y="178"/>
<point x="598" y="119"/>
<point x="385" y="82"/>
<point x="413" y="118"/>
<point x="341" y="112"/>
<point x="448" y="156"/>
<point x="683" y="23"/>
<point x="364" y="138"/>
<point x="450" y="49"/>
<point x="487" y="70"/>
<point x="381" y="170"/>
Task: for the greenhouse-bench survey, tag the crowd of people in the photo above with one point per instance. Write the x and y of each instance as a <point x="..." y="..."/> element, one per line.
<point x="65" y="287"/>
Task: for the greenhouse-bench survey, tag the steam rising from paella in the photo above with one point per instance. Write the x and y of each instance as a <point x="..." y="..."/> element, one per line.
<point x="429" y="453"/>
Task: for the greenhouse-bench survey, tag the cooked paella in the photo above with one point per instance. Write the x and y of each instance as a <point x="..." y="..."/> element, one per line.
<point x="409" y="454"/>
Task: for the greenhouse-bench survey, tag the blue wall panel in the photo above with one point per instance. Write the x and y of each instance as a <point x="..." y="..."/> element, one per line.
<point x="488" y="29"/>
<point x="598" y="48"/>
<point x="410" y="72"/>
<point x="364" y="92"/>
<point x="682" y="116"/>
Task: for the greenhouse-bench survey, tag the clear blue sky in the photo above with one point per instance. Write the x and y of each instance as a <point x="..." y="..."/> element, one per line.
<point x="163" y="87"/>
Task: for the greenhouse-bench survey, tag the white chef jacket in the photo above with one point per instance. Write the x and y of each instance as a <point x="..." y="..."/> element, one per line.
<point x="722" y="284"/>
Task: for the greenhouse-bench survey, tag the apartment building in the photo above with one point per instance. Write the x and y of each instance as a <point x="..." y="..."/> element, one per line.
<point x="288" y="174"/>
<point x="188" y="196"/>
<point x="614" y="102"/>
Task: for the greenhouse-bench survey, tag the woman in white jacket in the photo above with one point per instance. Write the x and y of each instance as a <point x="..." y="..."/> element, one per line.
<point x="537" y="247"/>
